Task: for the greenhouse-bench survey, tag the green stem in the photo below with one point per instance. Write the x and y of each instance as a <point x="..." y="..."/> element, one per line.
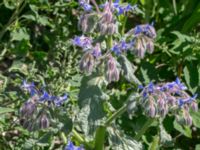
<point x="124" y="26"/>
<point x="144" y="128"/>
<point x="155" y="143"/>
<point x="80" y="139"/>
<point x="109" y="42"/>
<point x="101" y="131"/>
<point x="115" y="115"/>
<point x="100" y="138"/>
<point x="175" y="8"/>
<point x="62" y="134"/>
<point x="13" y="17"/>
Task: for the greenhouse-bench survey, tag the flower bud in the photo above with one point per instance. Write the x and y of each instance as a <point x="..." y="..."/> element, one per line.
<point x="112" y="75"/>
<point x="107" y="16"/>
<point x="83" y="23"/>
<point x="161" y="103"/>
<point x="187" y="117"/>
<point x="102" y="28"/>
<point x="150" y="46"/>
<point x="111" y="29"/>
<point x="96" y="51"/>
<point x="150" y="31"/>
<point x="111" y="64"/>
<point x="112" y="70"/>
<point x="87" y="62"/>
<point x="188" y="120"/>
<point x="43" y="121"/>
<point x="140" y="47"/>
<point x="163" y="111"/>
<point x="171" y="100"/>
<point x="152" y="111"/>
<point x="28" y="109"/>
<point x="194" y="106"/>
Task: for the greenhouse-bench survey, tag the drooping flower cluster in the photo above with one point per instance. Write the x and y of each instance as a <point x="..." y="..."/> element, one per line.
<point x="143" y="39"/>
<point x="34" y="107"/>
<point x="159" y="99"/>
<point x="91" y="55"/>
<point x="71" y="146"/>
<point x="112" y="73"/>
<point x="138" y="40"/>
<point x="120" y="8"/>
<point x="107" y="22"/>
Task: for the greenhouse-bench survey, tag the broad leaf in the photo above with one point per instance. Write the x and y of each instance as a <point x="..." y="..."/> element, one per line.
<point x="119" y="141"/>
<point x="91" y="105"/>
<point x="128" y="70"/>
<point x="5" y="110"/>
<point x="185" y="130"/>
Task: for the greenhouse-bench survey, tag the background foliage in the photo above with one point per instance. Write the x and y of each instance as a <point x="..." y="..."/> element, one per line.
<point x="35" y="44"/>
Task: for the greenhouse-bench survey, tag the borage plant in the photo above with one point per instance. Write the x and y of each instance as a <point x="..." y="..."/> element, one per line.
<point x="106" y="46"/>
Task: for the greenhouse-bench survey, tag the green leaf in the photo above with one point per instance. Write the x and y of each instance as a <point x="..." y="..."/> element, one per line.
<point x="197" y="147"/>
<point x="39" y="55"/>
<point x="45" y="139"/>
<point x="155" y="144"/>
<point x="91" y="106"/>
<point x="193" y="20"/>
<point x="29" y="17"/>
<point x="128" y="70"/>
<point x="132" y="103"/>
<point x="43" y="20"/>
<point x="196" y="118"/>
<point x="148" y="71"/>
<point x="10" y="4"/>
<point x="191" y="76"/>
<point x="19" y="35"/>
<point x="185" y="130"/>
<point x="143" y="2"/>
<point x="29" y="144"/>
<point x="18" y="66"/>
<point x="165" y="138"/>
<point x="119" y="141"/>
<point x="5" y="110"/>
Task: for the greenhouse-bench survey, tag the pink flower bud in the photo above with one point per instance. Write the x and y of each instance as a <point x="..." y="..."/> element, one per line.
<point x="194" y="106"/>
<point x="150" y="46"/>
<point x="111" y="29"/>
<point x="87" y="62"/>
<point x="140" y="47"/>
<point x="43" y="121"/>
<point x="152" y="111"/>
<point x="83" y="23"/>
<point x="112" y="70"/>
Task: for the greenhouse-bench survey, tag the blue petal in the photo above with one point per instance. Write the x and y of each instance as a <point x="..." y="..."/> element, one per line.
<point x="140" y="86"/>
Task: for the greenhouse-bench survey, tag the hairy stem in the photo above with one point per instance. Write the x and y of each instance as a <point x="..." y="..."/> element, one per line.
<point x="124" y="25"/>
<point x="109" y="42"/>
<point x="100" y="138"/>
<point x="81" y="140"/>
<point x="62" y="134"/>
<point x="115" y="115"/>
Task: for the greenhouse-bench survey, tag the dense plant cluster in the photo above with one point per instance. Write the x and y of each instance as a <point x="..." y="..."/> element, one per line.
<point x="99" y="74"/>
